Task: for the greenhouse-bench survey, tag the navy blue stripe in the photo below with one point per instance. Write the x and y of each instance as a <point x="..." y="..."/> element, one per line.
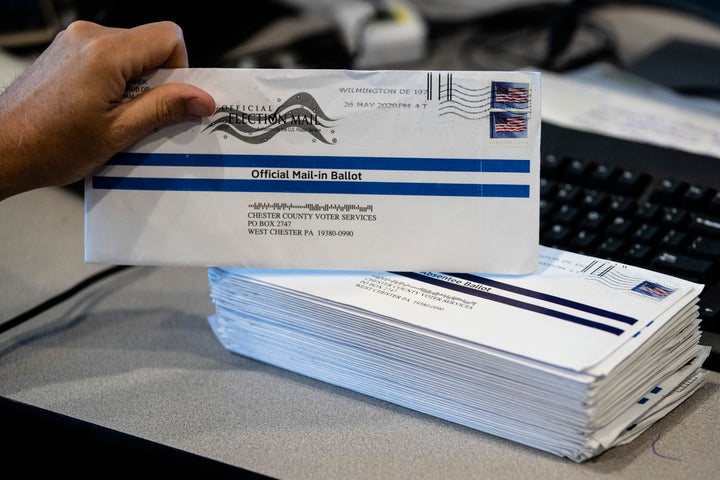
<point x="512" y="302"/>
<point x="300" y="186"/>
<point x="308" y="161"/>
<point x="548" y="298"/>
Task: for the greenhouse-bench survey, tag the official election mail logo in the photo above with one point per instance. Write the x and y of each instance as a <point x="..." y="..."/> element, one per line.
<point x="256" y="124"/>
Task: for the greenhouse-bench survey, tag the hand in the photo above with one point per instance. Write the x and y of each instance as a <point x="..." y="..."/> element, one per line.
<point x="64" y="116"/>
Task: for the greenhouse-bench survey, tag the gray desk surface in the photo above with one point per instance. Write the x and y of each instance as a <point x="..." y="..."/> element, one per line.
<point x="135" y="353"/>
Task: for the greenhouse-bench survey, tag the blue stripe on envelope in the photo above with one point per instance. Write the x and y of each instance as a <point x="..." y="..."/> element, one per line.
<point x="300" y="186"/>
<point x="548" y="298"/>
<point x="487" y="165"/>
<point x="513" y="302"/>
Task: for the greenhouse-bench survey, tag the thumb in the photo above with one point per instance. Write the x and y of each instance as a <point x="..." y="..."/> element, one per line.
<point x="165" y="104"/>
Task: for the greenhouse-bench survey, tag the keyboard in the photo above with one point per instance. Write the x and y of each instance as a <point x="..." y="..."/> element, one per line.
<point x="653" y="207"/>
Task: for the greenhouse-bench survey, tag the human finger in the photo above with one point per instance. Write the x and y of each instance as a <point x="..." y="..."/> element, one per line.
<point x="162" y="105"/>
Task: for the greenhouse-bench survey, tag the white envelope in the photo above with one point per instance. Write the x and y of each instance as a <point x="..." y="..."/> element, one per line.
<point x="330" y="169"/>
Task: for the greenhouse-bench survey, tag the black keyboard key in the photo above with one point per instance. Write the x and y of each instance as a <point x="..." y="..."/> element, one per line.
<point x="685" y="266"/>
<point x="623" y="206"/>
<point x="584" y="242"/>
<point x="638" y="254"/>
<point x="578" y="171"/>
<point x="697" y="197"/>
<point x="566" y="215"/>
<point x="676" y="218"/>
<point x="603" y="177"/>
<point x="707" y="247"/>
<point x="702" y="225"/>
<point x="620" y="227"/>
<point x="646" y="233"/>
<point x="592" y="220"/>
<point x="595" y="200"/>
<point x="632" y="183"/>
<point x="557" y="236"/>
<point x="649" y="213"/>
<point x="674" y="241"/>
<point x="568" y="193"/>
<point x="548" y="188"/>
<point x="552" y="166"/>
<point x="713" y="207"/>
<point x="669" y="191"/>
<point x="611" y="248"/>
<point x="547" y="208"/>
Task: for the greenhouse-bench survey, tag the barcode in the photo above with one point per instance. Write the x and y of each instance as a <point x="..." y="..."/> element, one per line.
<point x="313" y="207"/>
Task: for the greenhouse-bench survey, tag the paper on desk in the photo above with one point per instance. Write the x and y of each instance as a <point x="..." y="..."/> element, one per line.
<point x="602" y="99"/>
<point x="331" y="169"/>
<point x="571" y="359"/>
<point x="575" y="313"/>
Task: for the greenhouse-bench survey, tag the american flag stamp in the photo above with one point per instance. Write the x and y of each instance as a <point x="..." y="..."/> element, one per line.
<point x="510" y="95"/>
<point x="509" y="104"/>
<point x="653" y="290"/>
<point x="508" y="125"/>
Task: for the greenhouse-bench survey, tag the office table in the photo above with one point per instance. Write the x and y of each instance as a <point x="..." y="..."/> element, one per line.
<point x="134" y="353"/>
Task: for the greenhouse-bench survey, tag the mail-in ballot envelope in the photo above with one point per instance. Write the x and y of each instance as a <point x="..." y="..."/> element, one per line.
<point x="330" y="169"/>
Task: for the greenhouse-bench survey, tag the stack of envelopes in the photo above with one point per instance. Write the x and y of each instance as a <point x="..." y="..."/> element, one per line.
<point x="580" y="356"/>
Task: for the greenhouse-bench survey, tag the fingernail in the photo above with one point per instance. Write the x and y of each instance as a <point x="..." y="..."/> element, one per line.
<point x="196" y="107"/>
